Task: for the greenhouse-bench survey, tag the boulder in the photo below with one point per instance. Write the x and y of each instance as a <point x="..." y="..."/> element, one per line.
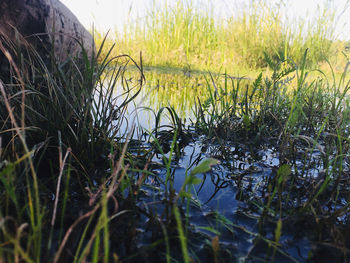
<point x="46" y="25"/>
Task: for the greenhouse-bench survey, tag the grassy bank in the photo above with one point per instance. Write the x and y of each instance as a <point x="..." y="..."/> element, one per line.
<point x="254" y="37"/>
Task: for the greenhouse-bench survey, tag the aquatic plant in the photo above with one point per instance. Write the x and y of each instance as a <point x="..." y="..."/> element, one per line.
<point x="306" y="123"/>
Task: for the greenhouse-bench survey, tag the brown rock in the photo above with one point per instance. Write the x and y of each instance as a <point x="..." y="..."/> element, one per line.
<point x="44" y="23"/>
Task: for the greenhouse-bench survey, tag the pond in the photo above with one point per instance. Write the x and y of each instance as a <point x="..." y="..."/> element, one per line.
<point x="187" y="167"/>
<point x="240" y="210"/>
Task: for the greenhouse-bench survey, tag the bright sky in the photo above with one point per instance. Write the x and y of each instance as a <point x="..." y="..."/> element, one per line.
<point x="111" y="14"/>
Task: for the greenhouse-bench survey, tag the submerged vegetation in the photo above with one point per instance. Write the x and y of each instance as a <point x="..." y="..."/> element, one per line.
<point x="259" y="171"/>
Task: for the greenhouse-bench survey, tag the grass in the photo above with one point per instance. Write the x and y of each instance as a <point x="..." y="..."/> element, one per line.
<point x="69" y="177"/>
<point x="76" y="187"/>
<point x="306" y="122"/>
<point x="191" y="38"/>
<point x="302" y="115"/>
<point x="59" y="122"/>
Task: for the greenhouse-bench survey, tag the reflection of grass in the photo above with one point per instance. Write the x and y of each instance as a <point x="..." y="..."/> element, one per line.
<point x="173" y="88"/>
<point x="185" y="37"/>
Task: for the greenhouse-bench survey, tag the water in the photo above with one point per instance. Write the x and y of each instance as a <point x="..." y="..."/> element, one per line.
<point x="229" y="202"/>
<point x="218" y="204"/>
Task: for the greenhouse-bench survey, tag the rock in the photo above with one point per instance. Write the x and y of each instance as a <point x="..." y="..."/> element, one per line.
<point x="44" y="24"/>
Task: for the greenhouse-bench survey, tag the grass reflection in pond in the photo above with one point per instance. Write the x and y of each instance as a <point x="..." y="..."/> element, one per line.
<point x="172" y="87"/>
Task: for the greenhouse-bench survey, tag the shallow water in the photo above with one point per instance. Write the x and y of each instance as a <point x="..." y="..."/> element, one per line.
<point x="216" y="203"/>
<point x="229" y="201"/>
<point x="171" y="88"/>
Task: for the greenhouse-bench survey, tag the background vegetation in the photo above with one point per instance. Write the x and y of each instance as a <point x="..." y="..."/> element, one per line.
<point x="186" y="36"/>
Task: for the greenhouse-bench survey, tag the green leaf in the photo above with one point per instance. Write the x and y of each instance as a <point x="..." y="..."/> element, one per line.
<point x="204" y="166"/>
<point x="257" y="81"/>
<point x="9" y="188"/>
<point x="278" y="230"/>
<point x="184" y="194"/>
<point x="209" y="229"/>
<point x="246" y="122"/>
<point x="182" y="236"/>
<point x="283" y="173"/>
<point x="192" y="180"/>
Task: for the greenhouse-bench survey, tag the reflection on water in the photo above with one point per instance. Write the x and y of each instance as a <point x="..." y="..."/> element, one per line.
<point x="229" y="201"/>
<point x="175" y="89"/>
<point x="225" y="201"/>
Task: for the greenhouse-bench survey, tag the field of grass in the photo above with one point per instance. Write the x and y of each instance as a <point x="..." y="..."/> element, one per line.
<point x="252" y="38"/>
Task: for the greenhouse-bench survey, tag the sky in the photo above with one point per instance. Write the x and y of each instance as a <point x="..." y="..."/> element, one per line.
<point x="112" y="14"/>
